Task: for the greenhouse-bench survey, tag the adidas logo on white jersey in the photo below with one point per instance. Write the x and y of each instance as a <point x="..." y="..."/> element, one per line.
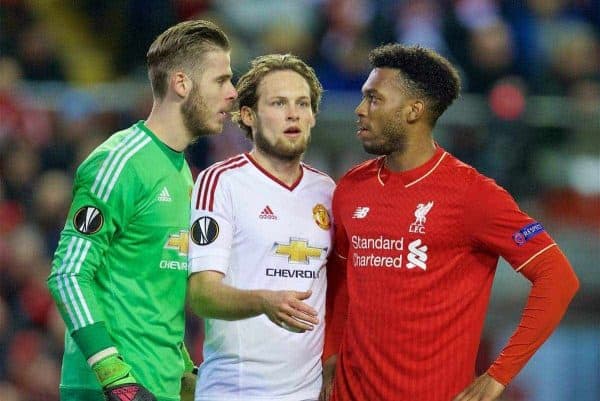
<point x="164" y="195"/>
<point x="361" y="212"/>
<point x="267" y="213"/>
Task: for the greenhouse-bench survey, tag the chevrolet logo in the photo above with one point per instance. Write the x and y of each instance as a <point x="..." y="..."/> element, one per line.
<point x="178" y="241"/>
<point x="298" y="251"/>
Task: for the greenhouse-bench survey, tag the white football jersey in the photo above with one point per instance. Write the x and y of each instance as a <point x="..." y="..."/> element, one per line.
<point x="261" y="234"/>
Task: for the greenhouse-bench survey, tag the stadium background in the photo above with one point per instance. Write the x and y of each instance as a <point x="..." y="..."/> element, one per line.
<point x="72" y="72"/>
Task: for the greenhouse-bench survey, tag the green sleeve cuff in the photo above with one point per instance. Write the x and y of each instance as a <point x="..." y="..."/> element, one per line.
<point x="92" y="339"/>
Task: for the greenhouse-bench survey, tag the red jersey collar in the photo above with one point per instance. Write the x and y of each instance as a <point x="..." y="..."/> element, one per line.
<point x="272" y="177"/>
<point x="413" y="176"/>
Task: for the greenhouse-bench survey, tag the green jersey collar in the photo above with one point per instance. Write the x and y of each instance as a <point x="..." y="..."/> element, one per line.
<point x="177" y="158"/>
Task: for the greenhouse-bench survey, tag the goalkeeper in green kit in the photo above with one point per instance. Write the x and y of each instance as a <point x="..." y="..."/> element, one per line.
<point x="119" y="274"/>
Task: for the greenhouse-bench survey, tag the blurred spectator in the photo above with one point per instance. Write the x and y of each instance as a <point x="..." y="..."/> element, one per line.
<point x="490" y="56"/>
<point x="143" y="21"/>
<point x="346" y="42"/>
<point x="9" y="392"/>
<point x="51" y="198"/>
<point x="538" y="26"/>
<point x="77" y="117"/>
<point x="38" y="56"/>
<point x="22" y="118"/>
<point x="19" y="166"/>
<point x="575" y="56"/>
<point x="421" y="23"/>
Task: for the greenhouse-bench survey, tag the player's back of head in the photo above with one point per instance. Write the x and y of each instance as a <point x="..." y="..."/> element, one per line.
<point x="182" y="46"/>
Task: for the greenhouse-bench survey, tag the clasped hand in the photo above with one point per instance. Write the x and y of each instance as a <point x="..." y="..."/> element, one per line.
<point x="286" y="308"/>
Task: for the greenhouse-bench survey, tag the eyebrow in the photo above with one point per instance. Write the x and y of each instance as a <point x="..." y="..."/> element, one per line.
<point x="303" y="97"/>
<point x="370" y="92"/>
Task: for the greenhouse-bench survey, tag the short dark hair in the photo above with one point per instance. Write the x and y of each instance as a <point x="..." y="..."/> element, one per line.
<point x="182" y="45"/>
<point x="423" y="71"/>
<point x="247" y="86"/>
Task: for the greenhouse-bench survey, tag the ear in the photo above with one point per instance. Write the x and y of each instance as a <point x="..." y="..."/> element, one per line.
<point x="181" y="84"/>
<point x="247" y="116"/>
<point x="416" y="111"/>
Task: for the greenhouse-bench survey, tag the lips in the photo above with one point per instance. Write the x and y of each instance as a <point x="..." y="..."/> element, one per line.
<point x="292" y="130"/>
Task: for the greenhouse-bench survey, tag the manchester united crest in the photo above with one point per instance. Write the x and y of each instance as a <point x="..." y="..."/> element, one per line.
<point x="321" y="216"/>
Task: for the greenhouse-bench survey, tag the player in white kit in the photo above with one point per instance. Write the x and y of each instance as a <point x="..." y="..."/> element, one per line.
<point x="259" y="241"/>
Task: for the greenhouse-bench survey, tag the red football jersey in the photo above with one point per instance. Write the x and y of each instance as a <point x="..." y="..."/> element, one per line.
<point x="422" y="248"/>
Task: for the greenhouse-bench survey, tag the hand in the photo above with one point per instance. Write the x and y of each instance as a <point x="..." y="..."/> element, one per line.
<point x="484" y="388"/>
<point x="128" y="391"/>
<point x="285" y="308"/>
<point x="188" y="386"/>
<point x="328" y="376"/>
<point x="117" y="382"/>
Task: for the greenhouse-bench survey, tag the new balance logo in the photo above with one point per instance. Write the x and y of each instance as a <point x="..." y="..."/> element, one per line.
<point x="360" y="212"/>
<point x="164" y="195"/>
<point x="267" y="213"/>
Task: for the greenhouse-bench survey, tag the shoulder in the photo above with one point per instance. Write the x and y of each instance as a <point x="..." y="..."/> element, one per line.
<point x="318" y="175"/>
<point x="223" y="169"/>
<point x="112" y="158"/>
<point x="465" y="174"/>
<point x="482" y="191"/>
<point x="214" y="179"/>
<point x="360" y="172"/>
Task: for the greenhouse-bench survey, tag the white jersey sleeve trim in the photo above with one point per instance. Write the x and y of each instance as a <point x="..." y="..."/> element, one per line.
<point x="209" y="262"/>
<point x="98" y="356"/>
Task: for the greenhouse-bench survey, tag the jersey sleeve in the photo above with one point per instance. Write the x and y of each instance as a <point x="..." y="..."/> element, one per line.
<point x="496" y="223"/>
<point x="212" y="223"/>
<point x="554" y="285"/>
<point x="103" y="201"/>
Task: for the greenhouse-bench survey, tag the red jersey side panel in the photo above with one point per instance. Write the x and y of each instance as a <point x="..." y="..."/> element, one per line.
<point x="422" y="251"/>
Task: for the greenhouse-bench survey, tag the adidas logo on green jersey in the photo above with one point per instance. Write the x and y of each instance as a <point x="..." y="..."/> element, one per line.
<point x="164" y="195"/>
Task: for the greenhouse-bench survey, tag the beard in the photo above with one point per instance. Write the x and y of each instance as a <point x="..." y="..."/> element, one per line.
<point x="195" y="114"/>
<point x="281" y="150"/>
<point x="391" y="140"/>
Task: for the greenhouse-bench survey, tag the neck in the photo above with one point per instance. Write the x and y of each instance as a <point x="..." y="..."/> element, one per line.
<point x="166" y="123"/>
<point x="416" y="153"/>
<point x="287" y="171"/>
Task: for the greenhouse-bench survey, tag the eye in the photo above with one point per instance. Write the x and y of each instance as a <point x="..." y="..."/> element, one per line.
<point x="277" y="102"/>
<point x="304" y="103"/>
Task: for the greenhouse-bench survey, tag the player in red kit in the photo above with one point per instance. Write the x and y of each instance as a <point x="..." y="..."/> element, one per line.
<point x="418" y="237"/>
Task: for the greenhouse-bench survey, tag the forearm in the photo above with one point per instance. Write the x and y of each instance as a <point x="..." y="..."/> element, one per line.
<point x="70" y="284"/>
<point x="336" y="312"/>
<point x="221" y="301"/>
<point x="554" y="285"/>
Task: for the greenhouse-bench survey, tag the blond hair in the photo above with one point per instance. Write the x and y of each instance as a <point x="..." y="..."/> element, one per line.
<point x="247" y="86"/>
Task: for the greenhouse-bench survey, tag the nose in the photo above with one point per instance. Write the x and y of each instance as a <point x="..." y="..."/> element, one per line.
<point x="232" y="93"/>
<point x="292" y="112"/>
<point x="361" y="109"/>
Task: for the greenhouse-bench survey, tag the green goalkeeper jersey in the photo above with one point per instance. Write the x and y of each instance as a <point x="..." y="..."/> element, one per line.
<point x="119" y="273"/>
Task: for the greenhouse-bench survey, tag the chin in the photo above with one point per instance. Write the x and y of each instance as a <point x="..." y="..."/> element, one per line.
<point x="373" y="150"/>
<point x="214" y="129"/>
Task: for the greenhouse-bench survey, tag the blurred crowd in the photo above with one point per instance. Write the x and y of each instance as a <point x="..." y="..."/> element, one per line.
<point x="508" y="52"/>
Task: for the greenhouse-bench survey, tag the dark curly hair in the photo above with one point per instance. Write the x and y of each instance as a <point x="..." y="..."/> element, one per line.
<point x="424" y="72"/>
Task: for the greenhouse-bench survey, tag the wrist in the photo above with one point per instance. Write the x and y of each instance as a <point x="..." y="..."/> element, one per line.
<point x="112" y="371"/>
<point x="262" y="305"/>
